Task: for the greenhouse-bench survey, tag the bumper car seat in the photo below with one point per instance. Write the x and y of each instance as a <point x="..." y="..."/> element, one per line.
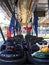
<point x="3" y="47"/>
<point x="39" y="39"/>
<point x="18" y="38"/>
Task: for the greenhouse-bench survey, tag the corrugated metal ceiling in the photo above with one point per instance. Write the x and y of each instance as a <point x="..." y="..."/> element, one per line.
<point x="41" y="5"/>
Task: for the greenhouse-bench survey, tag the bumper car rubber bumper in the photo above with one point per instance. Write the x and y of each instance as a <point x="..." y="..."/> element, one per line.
<point x="35" y="60"/>
<point x="12" y="58"/>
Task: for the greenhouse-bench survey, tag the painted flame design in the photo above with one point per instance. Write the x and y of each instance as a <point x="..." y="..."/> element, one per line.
<point x="24" y="8"/>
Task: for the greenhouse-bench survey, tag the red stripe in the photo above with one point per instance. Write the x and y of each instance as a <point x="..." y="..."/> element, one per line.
<point x="29" y="9"/>
<point x="20" y="8"/>
<point x="8" y="33"/>
<point x="30" y="4"/>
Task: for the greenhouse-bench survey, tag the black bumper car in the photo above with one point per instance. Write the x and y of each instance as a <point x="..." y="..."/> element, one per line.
<point x="12" y="53"/>
<point x="37" y="57"/>
<point x="32" y="47"/>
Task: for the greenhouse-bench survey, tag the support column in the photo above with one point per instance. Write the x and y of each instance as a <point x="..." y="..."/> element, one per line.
<point x="48" y="8"/>
<point x="14" y="17"/>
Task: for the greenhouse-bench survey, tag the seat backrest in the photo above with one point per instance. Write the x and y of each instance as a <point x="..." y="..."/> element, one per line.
<point x="34" y="48"/>
<point x="39" y="39"/>
<point x="3" y="47"/>
<point x="18" y="48"/>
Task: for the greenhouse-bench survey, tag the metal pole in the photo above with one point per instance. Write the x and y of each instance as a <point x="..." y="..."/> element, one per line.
<point x="2" y="34"/>
<point x="14" y="17"/>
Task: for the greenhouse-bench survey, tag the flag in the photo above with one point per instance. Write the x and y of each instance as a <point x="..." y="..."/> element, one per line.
<point x="30" y="20"/>
<point x="18" y="26"/>
<point x="11" y="26"/>
<point x="36" y="22"/>
<point x="8" y="33"/>
<point x="12" y="22"/>
<point x="28" y="28"/>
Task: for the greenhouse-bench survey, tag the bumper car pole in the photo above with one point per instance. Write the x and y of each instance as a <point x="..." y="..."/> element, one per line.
<point x="2" y="34"/>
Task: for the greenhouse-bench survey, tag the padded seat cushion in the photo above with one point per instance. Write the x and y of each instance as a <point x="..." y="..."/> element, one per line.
<point x="34" y="48"/>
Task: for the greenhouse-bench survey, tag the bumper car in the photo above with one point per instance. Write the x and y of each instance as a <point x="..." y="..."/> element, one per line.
<point x="33" y="39"/>
<point x="12" y="53"/>
<point x="40" y="56"/>
<point x="31" y="43"/>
